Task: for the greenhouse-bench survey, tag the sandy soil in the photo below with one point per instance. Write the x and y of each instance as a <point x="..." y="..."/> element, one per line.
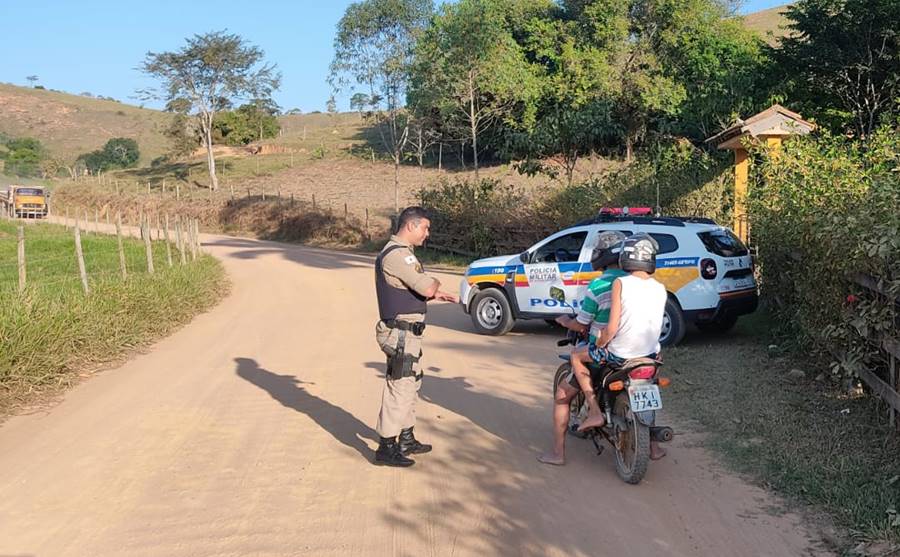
<point x="250" y="433"/>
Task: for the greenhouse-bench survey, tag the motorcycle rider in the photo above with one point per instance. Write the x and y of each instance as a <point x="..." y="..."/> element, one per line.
<point x="635" y="318"/>
<point x="593" y="314"/>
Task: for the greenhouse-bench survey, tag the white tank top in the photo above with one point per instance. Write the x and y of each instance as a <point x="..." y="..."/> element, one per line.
<point x="643" y="305"/>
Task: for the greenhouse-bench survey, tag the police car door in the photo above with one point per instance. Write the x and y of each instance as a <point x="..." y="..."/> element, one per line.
<point x="553" y="262"/>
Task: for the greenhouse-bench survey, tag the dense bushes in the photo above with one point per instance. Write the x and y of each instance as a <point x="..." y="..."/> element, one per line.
<point x="488" y="217"/>
<point x="821" y="210"/>
<point x="119" y="152"/>
<point x="23" y="157"/>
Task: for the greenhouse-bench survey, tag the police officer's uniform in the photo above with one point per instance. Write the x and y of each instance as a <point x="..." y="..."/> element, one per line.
<point x="400" y="284"/>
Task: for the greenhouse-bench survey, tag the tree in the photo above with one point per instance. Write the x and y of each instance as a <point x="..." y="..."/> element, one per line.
<point x="563" y="133"/>
<point x="121" y="152"/>
<point x="719" y="63"/>
<point x="250" y="122"/>
<point x="359" y="102"/>
<point x="208" y="73"/>
<point x="183" y="139"/>
<point x="24" y="156"/>
<point x="469" y="66"/>
<point x="32" y="79"/>
<point x="374" y="50"/>
<point x="118" y="152"/>
<point x="842" y="60"/>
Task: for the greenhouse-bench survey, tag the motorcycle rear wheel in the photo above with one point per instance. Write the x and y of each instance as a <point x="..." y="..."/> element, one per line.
<point x="632" y="444"/>
<point x="575" y="405"/>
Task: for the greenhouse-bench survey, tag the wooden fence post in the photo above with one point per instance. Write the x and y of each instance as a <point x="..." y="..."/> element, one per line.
<point x="148" y="246"/>
<point x="22" y="276"/>
<point x="168" y="243"/>
<point x="79" y="254"/>
<point x="195" y="245"/>
<point x="122" y="267"/>
<point x="181" y="240"/>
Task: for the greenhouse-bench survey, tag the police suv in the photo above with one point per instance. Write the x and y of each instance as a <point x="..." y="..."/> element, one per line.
<point x="706" y="269"/>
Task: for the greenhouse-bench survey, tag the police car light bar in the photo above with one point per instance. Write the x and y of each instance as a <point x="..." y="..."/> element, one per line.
<point x="626" y="211"/>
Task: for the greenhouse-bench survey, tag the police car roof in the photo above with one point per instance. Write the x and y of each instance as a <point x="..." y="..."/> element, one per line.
<point x="659" y="221"/>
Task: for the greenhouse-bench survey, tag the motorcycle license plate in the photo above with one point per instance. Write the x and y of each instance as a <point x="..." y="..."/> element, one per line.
<point x="644" y="397"/>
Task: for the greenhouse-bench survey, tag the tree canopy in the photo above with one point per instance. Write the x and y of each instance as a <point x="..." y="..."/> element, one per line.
<point x="842" y="61"/>
<point x="207" y="75"/>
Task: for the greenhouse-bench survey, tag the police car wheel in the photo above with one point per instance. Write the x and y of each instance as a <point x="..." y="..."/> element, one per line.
<point x="491" y="313"/>
<point x="673" y="326"/>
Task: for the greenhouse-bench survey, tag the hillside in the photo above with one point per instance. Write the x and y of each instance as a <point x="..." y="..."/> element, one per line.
<point x="70" y="125"/>
<point x="770" y="24"/>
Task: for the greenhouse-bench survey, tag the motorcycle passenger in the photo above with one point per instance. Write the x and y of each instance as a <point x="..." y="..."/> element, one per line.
<point x="635" y="318"/>
<point x="593" y="315"/>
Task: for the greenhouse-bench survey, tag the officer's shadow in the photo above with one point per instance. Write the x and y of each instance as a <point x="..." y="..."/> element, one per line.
<point x="286" y="389"/>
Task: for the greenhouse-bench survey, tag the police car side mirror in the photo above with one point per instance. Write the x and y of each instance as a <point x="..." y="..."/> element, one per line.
<point x="523" y="257"/>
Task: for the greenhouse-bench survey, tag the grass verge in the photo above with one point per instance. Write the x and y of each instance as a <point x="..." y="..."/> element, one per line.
<point x="802" y="437"/>
<point x="53" y="330"/>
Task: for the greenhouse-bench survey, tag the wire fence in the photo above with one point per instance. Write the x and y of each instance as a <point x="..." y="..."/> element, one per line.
<point x="81" y="252"/>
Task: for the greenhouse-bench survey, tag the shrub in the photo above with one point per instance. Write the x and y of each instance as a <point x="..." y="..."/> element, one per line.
<point x="823" y="209"/>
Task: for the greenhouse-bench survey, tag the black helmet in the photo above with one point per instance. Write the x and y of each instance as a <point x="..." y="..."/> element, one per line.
<point x="639" y="253"/>
<point x="606" y="252"/>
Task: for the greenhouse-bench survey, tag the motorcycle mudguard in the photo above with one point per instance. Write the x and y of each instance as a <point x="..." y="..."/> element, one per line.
<point x="647" y="417"/>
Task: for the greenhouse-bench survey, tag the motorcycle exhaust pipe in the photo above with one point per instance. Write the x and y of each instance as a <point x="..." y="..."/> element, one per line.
<point x="661" y="434"/>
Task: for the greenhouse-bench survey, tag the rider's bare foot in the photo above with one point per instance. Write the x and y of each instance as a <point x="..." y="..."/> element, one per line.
<point x="592" y="421"/>
<point x="656" y="452"/>
<point x="552" y="458"/>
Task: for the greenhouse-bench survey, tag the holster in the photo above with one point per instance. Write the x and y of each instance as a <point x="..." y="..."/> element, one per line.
<point x="400" y="364"/>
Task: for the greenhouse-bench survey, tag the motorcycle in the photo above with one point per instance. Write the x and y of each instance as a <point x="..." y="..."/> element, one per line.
<point x="628" y="396"/>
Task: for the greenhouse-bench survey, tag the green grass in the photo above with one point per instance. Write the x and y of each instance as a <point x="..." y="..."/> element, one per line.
<point x="53" y="330"/>
<point x="808" y="440"/>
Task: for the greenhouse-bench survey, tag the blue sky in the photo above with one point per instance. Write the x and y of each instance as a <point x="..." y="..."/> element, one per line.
<point x="95" y="45"/>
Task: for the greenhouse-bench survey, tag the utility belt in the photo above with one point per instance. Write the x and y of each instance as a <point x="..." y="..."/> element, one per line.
<point x="400" y="364"/>
<point x="416" y="328"/>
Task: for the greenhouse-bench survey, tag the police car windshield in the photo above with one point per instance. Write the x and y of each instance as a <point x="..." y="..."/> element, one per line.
<point x="723" y="243"/>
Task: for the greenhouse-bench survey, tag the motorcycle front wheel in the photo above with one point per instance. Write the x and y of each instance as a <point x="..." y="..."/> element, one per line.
<point x="632" y="444"/>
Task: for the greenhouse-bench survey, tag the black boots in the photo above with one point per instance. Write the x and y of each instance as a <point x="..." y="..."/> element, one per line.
<point x="409" y="444"/>
<point x="388" y="454"/>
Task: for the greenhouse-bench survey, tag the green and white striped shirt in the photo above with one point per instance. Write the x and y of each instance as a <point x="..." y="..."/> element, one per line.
<point x="594" y="309"/>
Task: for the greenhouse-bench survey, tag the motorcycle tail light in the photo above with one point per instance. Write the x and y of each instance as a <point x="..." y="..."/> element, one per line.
<point x="616" y="385"/>
<point x="643" y="372"/>
<point x="708" y="269"/>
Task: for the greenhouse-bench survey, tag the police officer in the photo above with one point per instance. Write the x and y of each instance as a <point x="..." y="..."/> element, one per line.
<point x="403" y="290"/>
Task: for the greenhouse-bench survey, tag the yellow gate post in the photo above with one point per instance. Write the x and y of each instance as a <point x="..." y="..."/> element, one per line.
<point x="770" y="127"/>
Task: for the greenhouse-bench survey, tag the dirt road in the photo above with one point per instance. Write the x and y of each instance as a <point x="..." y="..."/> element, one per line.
<point x="249" y="433"/>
